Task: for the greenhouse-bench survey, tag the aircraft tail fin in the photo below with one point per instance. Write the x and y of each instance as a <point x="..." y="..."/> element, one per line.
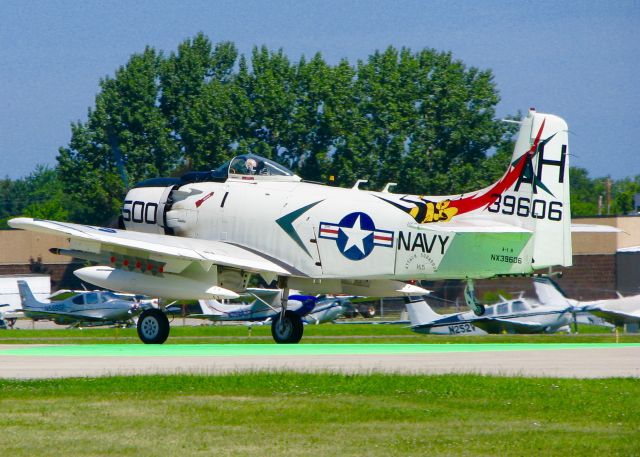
<point x="533" y="194"/>
<point x="26" y="296"/>
<point x="210" y="307"/>
<point x="549" y="293"/>
<point x="540" y="195"/>
<point x="420" y="312"/>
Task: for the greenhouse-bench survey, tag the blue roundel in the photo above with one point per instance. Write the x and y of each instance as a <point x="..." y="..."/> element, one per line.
<point x="355" y="238"/>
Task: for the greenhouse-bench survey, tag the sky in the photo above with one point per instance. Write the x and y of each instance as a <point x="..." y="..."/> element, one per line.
<point x="577" y="59"/>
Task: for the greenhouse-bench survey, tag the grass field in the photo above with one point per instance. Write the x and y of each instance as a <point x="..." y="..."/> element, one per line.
<point x="327" y="333"/>
<point x="293" y="414"/>
<point x="319" y="415"/>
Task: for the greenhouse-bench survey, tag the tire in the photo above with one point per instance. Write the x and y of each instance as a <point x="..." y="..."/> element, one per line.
<point x="153" y="326"/>
<point x="479" y="311"/>
<point x="368" y="311"/>
<point x="289" y="331"/>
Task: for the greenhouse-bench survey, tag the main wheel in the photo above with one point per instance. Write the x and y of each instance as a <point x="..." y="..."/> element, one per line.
<point x="153" y="326"/>
<point x="479" y="311"/>
<point x="289" y="330"/>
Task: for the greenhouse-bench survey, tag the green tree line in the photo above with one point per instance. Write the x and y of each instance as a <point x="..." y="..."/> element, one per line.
<point x="422" y="119"/>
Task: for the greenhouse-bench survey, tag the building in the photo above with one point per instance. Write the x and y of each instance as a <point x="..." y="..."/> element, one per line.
<point x="24" y="252"/>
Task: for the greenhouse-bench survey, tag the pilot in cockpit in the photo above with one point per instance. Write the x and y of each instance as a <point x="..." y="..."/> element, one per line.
<point x="251" y="165"/>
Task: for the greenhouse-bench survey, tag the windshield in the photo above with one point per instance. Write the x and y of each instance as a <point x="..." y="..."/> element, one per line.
<point x="251" y="164"/>
<point x="519" y="305"/>
<point x="245" y="166"/>
<point x="502" y="308"/>
<point x="106" y="296"/>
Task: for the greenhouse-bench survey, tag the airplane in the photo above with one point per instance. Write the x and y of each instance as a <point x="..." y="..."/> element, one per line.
<point x="266" y="306"/>
<point x="85" y="308"/>
<point x="616" y="311"/>
<point x="3" y="322"/>
<point x="520" y="315"/>
<point x="205" y="234"/>
<point x="327" y="309"/>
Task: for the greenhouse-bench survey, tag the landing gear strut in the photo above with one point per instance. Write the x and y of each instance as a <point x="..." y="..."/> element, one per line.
<point x="470" y="297"/>
<point x="153" y="326"/>
<point x="286" y="327"/>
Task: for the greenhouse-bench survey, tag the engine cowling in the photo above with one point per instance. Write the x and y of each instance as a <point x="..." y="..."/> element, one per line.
<point x="145" y="208"/>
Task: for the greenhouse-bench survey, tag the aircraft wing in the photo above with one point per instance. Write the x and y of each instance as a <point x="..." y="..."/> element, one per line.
<point x="615" y="317"/>
<point x="498" y="325"/>
<point x="488" y="324"/>
<point x="50" y="315"/>
<point x="176" y="253"/>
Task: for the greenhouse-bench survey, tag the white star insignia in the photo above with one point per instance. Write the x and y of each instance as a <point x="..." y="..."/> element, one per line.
<point x="355" y="236"/>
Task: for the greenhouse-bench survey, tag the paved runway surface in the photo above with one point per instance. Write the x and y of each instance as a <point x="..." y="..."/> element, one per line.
<point x="556" y="360"/>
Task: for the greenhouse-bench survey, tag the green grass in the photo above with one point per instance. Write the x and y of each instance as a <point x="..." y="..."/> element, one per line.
<point x="327" y="333"/>
<point x="292" y="414"/>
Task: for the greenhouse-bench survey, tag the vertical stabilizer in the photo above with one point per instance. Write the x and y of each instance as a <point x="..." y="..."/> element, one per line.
<point x="210" y="307"/>
<point x="549" y="293"/>
<point x="420" y="312"/>
<point x="532" y="195"/>
<point x="26" y="297"/>
<point x="538" y="200"/>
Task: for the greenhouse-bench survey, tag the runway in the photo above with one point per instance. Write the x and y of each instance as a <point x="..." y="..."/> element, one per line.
<point x="549" y="360"/>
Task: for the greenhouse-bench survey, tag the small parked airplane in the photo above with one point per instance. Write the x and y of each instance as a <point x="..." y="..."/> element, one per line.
<point x="266" y="306"/>
<point x="520" y="315"/>
<point x="84" y="308"/>
<point x="3" y="322"/>
<point x="205" y="234"/>
<point x="617" y="311"/>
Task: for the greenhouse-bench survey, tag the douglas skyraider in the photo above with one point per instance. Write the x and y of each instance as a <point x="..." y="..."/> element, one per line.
<point x="205" y="234"/>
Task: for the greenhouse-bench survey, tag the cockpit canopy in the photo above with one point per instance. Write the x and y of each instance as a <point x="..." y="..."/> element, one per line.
<point x="254" y="165"/>
<point x="245" y="167"/>
<point x="251" y="166"/>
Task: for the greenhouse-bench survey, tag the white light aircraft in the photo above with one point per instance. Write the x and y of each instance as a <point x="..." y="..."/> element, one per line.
<point x="266" y="306"/>
<point x="617" y="311"/>
<point x="520" y="315"/>
<point x="205" y="234"/>
<point x="84" y="308"/>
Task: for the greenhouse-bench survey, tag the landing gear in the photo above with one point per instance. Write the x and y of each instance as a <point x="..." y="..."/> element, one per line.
<point x="287" y="326"/>
<point x="470" y="297"/>
<point x="287" y="329"/>
<point x="479" y="310"/>
<point x="153" y="326"/>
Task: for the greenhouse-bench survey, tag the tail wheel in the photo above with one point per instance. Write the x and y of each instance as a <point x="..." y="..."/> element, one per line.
<point x="287" y="330"/>
<point x="153" y="326"/>
<point x="479" y="311"/>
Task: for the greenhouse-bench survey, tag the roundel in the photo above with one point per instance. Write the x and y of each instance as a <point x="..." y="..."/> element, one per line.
<point x="356" y="235"/>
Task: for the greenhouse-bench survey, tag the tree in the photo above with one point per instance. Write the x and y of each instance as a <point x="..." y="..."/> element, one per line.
<point x="39" y="195"/>
<point x="126" y="116"/>
<point x="422" y="119"/>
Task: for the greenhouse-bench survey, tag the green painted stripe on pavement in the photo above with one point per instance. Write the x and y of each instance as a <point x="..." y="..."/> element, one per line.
<point x="230" y="350"/>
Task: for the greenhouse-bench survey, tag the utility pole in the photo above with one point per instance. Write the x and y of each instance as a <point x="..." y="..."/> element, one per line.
<point x="608" y="196"/>
<point x="600" y="205"/>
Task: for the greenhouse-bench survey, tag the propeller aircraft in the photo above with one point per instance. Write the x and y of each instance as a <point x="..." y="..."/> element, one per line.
<point x="205" y="234"/>
<point x="520" y="315"/>
<point x="85" y="308"/>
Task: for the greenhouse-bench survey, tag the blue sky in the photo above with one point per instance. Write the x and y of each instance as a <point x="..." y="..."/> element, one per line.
<point x="578" y="59"/>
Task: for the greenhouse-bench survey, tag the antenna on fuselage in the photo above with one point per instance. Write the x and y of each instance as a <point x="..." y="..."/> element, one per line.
<point x="356" y="186"/>
<point x="388" y="186"/>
